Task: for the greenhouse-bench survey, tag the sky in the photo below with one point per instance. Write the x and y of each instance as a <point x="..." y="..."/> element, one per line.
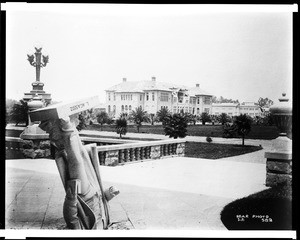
<point x="239" y="55"/>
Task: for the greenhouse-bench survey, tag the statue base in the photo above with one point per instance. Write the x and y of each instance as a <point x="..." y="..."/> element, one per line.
<point x="34" y="132"/>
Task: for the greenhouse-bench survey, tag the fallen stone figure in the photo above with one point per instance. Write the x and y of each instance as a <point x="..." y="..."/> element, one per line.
<point x="86" y="202"/>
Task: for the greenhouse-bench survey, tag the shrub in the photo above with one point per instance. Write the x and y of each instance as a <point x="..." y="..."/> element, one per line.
<point x="208" y="139"/>
<point x="229" y="130"/>
<point x="175" y="126"/>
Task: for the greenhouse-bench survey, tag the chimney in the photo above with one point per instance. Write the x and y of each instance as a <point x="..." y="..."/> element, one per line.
<point x="153" y="78"/>
<point x="124" y="79"/>
<point x="197" y="85"/>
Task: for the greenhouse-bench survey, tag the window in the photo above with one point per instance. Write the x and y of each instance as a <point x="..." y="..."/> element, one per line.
<point x="108" y="109"/>
<point x="141" y="97"/>
<point x="131" y="97"/>
<point x="126" y="108"/>
<point x="186" y="109"/>
<point x="175" y="99"/>
<point x="129" y="107"/>
<point x="206" y="110"/>
<point x="114" y="108"/>
<point x="114" y="97"/>
<point x="147" y="96"/>
<point x="198" y="110"/>
<point x="174" y="109"/>
<point x="164" y="97"/>
<point x="109" y="97"/>
<point x="198" y="100"/>
<point x="194" y="108"/>
<point x="122" y="108"/>
<point x="153" y="96"/>
<point x="207" y="100"/>
<point x="193" y="100"/>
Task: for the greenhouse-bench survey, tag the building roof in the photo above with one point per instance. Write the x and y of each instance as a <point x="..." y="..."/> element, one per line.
<point x="197" y="91"/>
<point x="225" y="104"/>
<point x="141" y="86"/>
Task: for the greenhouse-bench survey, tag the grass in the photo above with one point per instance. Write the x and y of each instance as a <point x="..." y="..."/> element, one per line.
<point x="270" y="209"/>
<point x="216" y="151"/>
<point x="257" y="132"/>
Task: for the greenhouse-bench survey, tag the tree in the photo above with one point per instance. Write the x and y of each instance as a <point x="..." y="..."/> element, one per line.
<point x="190" y="118"/>
<point x="19" y="113"/>
<point x="175" y="126"/>
<point x="264" y="102"/>
<point x="121" y="126"/>
<point x="223" y="118"/>
<point x="204" y="117"/>
<point x="162" y="114"/>
<point x="243" y="125"/>
<point x="103" y="118"/>
<point x="85" y="119"/>
<point x="138" y="116"/>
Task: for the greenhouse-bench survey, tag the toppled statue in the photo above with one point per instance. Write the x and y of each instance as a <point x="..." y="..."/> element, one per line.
<point x="86" y="202"/>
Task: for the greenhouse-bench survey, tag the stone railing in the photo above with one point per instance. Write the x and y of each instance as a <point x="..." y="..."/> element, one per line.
<point x="105" y="141"/>
<point x="139" y="151"/>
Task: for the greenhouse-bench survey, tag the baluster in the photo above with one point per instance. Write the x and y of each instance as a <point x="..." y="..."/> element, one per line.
<point x="126" y="155"/>
<point x="137" y="153"/>
<point x="141" y="153"/>
<point x="120" y="157"/>
<point x="100" y="154"/>
<point x="131" y="154"/>
<point x="165" y="150"/>
<point x="169" y="149"/>
<point x="147" y="152"/>
<point x="161" y="150"/>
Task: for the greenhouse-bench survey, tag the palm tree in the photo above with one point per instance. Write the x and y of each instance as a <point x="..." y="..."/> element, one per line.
<point x="138" y="116"/>
<point x="223" y="118"/>
<point x="175" y="126"/>
<point x="162" y="114"/>
<point x="243" y="125"/>
<point x="121" y="126"/>
<point x="205" y="118"/>
<point x="19" y="113"/>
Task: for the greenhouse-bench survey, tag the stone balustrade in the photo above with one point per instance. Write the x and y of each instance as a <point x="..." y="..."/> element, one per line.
<point x="111" y="152"/>
<point x="139" y="151"/>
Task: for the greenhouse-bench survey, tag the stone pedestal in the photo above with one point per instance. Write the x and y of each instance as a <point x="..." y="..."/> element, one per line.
<point x="279" y="168"/>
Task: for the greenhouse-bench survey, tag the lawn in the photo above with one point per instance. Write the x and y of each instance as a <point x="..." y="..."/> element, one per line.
<point x="270" y="209"/>
<point x="216" y="151"/>
<point x="257" y="132"/>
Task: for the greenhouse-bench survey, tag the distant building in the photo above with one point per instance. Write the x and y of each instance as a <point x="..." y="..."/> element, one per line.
<point x="153" y="96"/>
<point x="250" y="108"/>
<point x="235" y="109"/>
<point x="231" y="109"/>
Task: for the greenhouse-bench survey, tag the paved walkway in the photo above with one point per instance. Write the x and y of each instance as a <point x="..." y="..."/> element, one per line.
<point x="171" y="193"/>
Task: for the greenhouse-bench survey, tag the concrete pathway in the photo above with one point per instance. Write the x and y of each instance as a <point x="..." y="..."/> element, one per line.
<point x="171" y="193"/>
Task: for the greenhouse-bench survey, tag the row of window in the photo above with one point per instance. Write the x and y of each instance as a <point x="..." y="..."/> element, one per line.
<point x="189" y="110"/>
<point x="123" y="108"/>
<point x="126" y="97"/>
<point x="164" y="97"/>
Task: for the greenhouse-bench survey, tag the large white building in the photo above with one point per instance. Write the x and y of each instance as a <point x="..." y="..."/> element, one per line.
<point x="152" y="95"/>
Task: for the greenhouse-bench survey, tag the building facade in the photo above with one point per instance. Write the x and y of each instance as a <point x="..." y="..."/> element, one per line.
<point x="235" y="109"/>
<point x="152" y="96"/>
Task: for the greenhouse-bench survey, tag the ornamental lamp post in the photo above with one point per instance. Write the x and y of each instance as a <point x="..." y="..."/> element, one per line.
<point x="38" y="63"/>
